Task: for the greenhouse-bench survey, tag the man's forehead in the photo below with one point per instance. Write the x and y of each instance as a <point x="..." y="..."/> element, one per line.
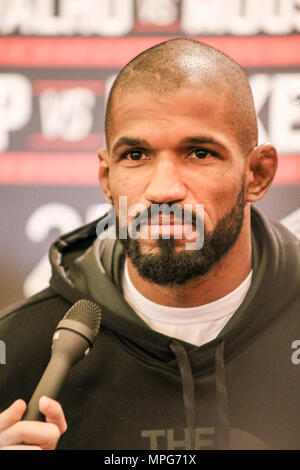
<point x="186" y="104"/>
<point x="154" y="100"/>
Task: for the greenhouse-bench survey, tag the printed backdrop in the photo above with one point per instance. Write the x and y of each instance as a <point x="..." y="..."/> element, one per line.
<point x="58" y="60"/>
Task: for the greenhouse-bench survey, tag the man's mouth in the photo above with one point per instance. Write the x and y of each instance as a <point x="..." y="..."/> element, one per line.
<point x="165" y="220"/>
<point x="167" y="226"/>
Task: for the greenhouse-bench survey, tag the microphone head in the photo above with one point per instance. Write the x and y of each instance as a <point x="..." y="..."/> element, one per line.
<point x="86" y="312"/>
<point x="84" y="317"/>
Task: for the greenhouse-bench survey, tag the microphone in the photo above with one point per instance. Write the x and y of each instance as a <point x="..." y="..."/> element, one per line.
<point x="74" y="336"/>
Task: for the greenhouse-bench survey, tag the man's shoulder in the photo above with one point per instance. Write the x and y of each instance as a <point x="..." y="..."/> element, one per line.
<point x="45" y="301"/>
<point x="277" y="235"/>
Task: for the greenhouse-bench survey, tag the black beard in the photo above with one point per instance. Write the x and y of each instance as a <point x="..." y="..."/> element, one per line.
<point x="171" y="268"/>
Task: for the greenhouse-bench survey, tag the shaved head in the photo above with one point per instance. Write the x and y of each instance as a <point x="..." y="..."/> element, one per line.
<point x="180" y="63"/>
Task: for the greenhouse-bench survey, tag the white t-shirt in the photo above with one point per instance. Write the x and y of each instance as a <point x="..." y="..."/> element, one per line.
<point x="194" y="325"/>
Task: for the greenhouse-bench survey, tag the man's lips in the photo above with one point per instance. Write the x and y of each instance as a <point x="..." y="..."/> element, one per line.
<point x="168" y="226"/>
<point x="165" y="220"/>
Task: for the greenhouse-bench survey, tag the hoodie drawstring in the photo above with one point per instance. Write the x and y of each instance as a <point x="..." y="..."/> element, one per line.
<point x="187" y="386"/>
<point x="222" y="424"/>
<point x="222" y="429"/>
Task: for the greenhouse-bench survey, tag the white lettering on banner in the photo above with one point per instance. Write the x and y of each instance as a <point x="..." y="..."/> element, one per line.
<point x="77" y="16"/>
<point x="95" y="211"/>
<point x="105" y="17"/>
<point x="44" y="17"/>
<point x="278" y="16"/>
<point x="202" y="17"/>
<point x="296" y="15"/>
<point x="284" y="113"/>
<point x="28" y="17"/>
<point x="15" y="15"/>
<point x="15" y="105"/>
<point x="239" y="17"/>
<point x="108" y="84"/>
<point x="295" y="358"/>
<point x="2" y="352"/>
<point x="261" y="86"/>
<point x="67" y="114"/>
<point x="116" y="17"/>
<point x="283" y="122"/>
<point x="203" y="438"/>
<point x="39" y="225"/>
<point x="161" y="12"/>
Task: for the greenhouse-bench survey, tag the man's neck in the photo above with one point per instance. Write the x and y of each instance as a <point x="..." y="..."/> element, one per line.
<point x="222" y="279"/>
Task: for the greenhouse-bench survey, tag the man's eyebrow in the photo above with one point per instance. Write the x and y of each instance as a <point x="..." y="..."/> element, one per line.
<point x="131" y="142"/>
<point x="192" y="140"/>
<point x="196" y="140"/>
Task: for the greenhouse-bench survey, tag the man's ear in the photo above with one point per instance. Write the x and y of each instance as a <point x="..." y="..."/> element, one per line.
<point x="103" y="173"/>
<point x="261" y="168"/>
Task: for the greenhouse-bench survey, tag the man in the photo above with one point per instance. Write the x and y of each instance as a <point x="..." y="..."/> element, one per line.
<point x="196" y="345"/>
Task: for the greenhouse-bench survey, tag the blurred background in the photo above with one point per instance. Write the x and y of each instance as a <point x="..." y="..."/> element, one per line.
<point x="58" y="60"/>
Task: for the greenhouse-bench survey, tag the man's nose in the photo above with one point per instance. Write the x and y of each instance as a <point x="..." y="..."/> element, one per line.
<point x="166" y="184"/>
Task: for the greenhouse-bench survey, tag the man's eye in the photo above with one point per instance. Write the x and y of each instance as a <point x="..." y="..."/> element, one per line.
<point x="132" y="155"/>
<point x="201" y="153"/>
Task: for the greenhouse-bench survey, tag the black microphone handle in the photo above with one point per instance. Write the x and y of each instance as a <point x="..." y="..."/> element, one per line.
<point x="58" y="367"/>
<point x="68" y="348"/>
